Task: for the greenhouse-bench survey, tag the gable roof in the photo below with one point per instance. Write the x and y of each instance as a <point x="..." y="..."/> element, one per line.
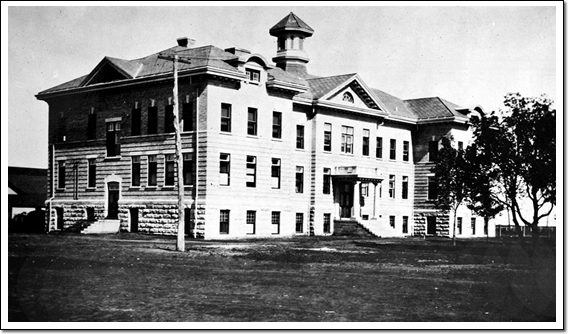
<point x="394" y="105"/>
<point x="321" y="86"/>
<point x="433" y="108"/>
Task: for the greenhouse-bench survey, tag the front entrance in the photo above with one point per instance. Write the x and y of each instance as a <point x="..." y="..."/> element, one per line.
<point x="431" y="225"/>
<point x="346" y="200"/>
<point x="113" y="195"/>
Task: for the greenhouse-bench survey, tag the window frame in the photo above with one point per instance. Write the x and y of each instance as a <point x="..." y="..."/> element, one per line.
<point x="136" y="122"/>
<point x="187" y="116"/>
<point x="299" y="222"/>
<point x="225" y="168"/>
<point x="404" y="187"/>
<point x="169" y="126"/>
<point x="169" y="175"/>
<point x="136" y="171"/>
<point x="252" y="124"/>
<point x="366" y="142"/>
<point x="347" y="133"/>
<point x="275" y="220"/>
<point x="225" y="125"/>
<point x="92" y="173"/>
<point x="250" y="165"/>
<point x="405" y="151"/>
<point x="433" y="149"/>
<point x="327" y="181"/>
<point x="432" y="188"/>
<point x="251" y="220"/>
<point x="152" y="170"/>
<point x="113" y="129"/>
<point x="327" y="223"/>
<point x="379" y="148"/>
<point x="405" y="224"/>
<point x="392" y="186"/>
<point x="392" y="149"/>
<point x="61" y="174"/>
<point x="327" y="137"/>
<point x="152" y="128"/>
<point x="187" y="169"/>
<point x="276" y="125"/>
<point x="276" y="166"/>
<point x="300" y="133"/>
<point x="224" y="221"/>
<point x="299" y="180"/>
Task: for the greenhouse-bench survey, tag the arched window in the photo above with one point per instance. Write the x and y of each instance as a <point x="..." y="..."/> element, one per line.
<point x="347" y="97"/>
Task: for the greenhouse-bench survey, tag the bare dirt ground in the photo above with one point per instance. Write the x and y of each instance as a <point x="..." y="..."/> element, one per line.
<point x="133" y="277"/>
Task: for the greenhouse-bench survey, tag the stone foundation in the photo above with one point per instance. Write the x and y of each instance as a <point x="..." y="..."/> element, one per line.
<point x="442" y="223"/>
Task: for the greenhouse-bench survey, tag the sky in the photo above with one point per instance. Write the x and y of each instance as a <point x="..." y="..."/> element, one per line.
<point x="467" y="55"/>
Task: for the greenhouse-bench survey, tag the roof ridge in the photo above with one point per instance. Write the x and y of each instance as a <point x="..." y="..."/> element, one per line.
<point x="334" y="76"/>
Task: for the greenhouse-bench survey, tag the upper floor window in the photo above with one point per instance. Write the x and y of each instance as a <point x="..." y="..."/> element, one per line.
<point x="405" y="187"/>
<point x="327" y="181"/>
<point x="169" y="119"/>
<point x="92" y="125"/>
<point x="92" y="172"/>
<point x="366" y="142"/>
<point x="347" y="139"/>
<point x="432" y="188"/>
<point x="170" y="169"/>
<point x="187" y="169"/>
<point x="62" y="128"/>
<point x="300" y="136"/>
<point x="327" y="137"/>
<point x="276" y="124"/>
<point x="347" y="97"/>
<point x="225" y="117"/>
<point x="392" y="155"/>
<point x="253" y="75"/>
<point x="135" y="126"/>
<point x="152" y="171"/>
<point x="251" y="121"/>
<point x="405" y="150"/>
<point x="275" y="173"/>
<point x="299" y="179"/>
<point x="251" y="171"/>
<point x="136" y="171"/>
<point x="187" y="115"/>
<point x="379" y="152"/>
<point x="433" y="150"/>
<point x="152" y="120"/>
<point x="113" y="139"/>
<point x="391" y="186"/>
<point x="224" y="169"/>
<point x="61" y="175"/>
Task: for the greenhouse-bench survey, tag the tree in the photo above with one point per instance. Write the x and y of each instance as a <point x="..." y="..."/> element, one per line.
<point x="450" y="175"/>
<point x="521" y="154"/>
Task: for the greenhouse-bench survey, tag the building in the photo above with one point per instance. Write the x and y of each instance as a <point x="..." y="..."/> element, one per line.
<point x="268" y="149"/>
<point x="26" y="198"/>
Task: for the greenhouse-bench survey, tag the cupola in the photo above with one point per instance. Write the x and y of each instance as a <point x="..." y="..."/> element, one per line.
<point x="291" y="32"/>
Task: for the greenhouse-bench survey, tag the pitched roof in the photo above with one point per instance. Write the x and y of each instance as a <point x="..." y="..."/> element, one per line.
<point x="394" y="105"/>
<point x="322" y="85"/>
<point x="291" y="23"/>
<point x="433" y="107"/>
<point x="281" y="75"/>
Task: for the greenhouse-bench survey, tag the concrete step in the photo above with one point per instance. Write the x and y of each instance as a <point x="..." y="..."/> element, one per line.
<point x="103" y="226"/>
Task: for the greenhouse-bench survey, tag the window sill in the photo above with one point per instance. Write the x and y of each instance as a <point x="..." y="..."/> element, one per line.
<point x="327" y="152"/>
<point x="60" y="190"/>
<point x="226" y="133"/>
<point x="114" y="158"/>
<point x="250" y="82"/>
<point x="300" y="149"/>
<point x="134" y="188"/>
<point x="252" y="136"/>
<point x="151" y="188"/>
<point x="90" y="189"/>
<point x="168" y="188"/>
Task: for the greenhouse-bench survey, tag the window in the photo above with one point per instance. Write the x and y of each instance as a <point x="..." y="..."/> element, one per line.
<point x="300" y="136"/>
<point x="327" y="223"/>
<point x="347" y="97"/>
<point x="327" y="181"/>
<point x="62" y="128"/>
<point x="405" y="150"/>
<point x="432" y="188"/>
<point x="251" y="222"/>
<point x="136" y="117"/>
<point x="252" y="75"/>
<point x="392" y="155"/>
<point x="251" y="171"/>
<point x="404" y="224"/>
<point x="276" y="124"/>
<point x="405" y="187"/>
<point x="152" y="170"/>
<point x="392" y="221"/>
<point x="299" y="223"/>
<point x="460" y="225"/>
<point x="92" y="173"/>
<point x="225" y="117"/>
<point x="169" y="119"/>
<point x="347" y="139"/>
<point x="327" y="137"/>
<point x="224" y="169"/>
<point x="460" y="145"/>
<point x="391" y="186"/>
<point x="113" y="139"/>
<point x="170" y="169"/>
<point x="473" y="226"/>
<point x="251" y="124"/>
<point x="61" y="175"/>
<point x="224" y="222"/>
<point x="187" y="169"/>
<point x="365" y="189"/>
<point x="299" y="179"/>
<point x="152" y="120"/>
<point x="365" y="142"/>
<point x="275" y="173"/>
<point x="281" y="43"/>
<point x="136" y="171"/>
<point x="275" y="222"/>
<point x="187" y="115"/>
<point x="92" y="125"/>
<point x="379" y="152"/>
<point x="433" y="150"/>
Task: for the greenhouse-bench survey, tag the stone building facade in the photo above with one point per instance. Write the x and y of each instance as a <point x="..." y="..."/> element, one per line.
<point x="268" y="149"/>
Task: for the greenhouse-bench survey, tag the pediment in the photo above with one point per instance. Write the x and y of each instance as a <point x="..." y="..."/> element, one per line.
<point x="354" y="93"/>
<point x="109" y="70"/>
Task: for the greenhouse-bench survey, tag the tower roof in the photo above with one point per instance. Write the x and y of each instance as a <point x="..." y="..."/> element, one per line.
<point x="291" y="23"/>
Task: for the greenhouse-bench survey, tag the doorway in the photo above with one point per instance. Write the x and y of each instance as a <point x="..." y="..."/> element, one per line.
<point x="431" y="225"/>
<point x="113" y="195"/>
<point x="346" y="200"/>
<point x="134" y="220"/>
<point x="59" y="214"/>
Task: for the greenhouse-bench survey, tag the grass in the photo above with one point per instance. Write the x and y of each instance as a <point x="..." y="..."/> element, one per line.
<point x="133" y="277"/>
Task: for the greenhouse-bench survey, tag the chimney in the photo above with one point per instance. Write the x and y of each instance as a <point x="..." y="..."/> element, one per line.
<point x="185" y="42"/>
<point x="237" y="51"/>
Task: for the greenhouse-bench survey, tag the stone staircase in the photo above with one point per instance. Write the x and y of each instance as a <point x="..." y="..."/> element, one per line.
<point x="103" y="226"/>
<point x="364" y="228"/>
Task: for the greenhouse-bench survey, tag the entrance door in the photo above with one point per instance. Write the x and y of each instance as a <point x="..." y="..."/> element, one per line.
<point x="59" y="214"/>
<point x="113" y="193"/>
<point x="431" y="225"/>
<point x="346" y="200"/>
<point x="133" y="220"/>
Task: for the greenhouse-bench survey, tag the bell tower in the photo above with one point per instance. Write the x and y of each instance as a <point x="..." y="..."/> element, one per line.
<point x="291" y="32"/>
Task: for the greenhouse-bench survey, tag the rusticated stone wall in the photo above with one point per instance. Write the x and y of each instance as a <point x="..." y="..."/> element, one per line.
<point x="442" y="223"/>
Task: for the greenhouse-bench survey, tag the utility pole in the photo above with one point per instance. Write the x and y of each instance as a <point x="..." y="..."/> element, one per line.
<point x="180" y="246"/>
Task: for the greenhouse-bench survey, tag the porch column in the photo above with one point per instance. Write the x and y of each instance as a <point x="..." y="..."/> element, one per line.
<point x="357" y="201"/>
<point x="375" y="201"/>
